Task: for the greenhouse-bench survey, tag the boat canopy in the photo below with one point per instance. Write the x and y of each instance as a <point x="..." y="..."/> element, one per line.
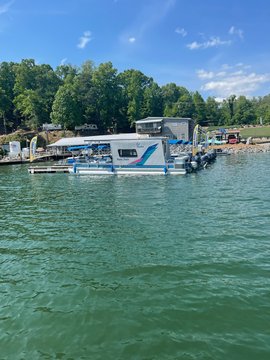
<point x="103" y="147"/>
<point x="178" y="142"/>
<point x="79" y="147"/>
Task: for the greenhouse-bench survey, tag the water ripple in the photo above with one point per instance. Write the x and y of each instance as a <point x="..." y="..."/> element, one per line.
<point x="136" y="267"/>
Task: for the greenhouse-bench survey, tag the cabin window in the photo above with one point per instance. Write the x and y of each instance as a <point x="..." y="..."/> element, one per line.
<point x="127" y="152"/>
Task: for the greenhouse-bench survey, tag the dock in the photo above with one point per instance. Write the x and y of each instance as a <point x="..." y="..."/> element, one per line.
<point x="13" y="161"/>
<point x="48" y="169"/>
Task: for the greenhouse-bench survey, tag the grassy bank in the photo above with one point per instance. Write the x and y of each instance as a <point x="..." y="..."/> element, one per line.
<point x="252" y="131"/>
<point x="255" y="132"/>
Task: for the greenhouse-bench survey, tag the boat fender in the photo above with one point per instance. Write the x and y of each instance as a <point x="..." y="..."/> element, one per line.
<point x="112" y="168"/>
<point x="74" y="168"/>
<point x="165" y="170"/>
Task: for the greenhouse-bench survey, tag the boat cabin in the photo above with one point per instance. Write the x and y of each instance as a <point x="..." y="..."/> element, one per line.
<point x="152" y="152"/>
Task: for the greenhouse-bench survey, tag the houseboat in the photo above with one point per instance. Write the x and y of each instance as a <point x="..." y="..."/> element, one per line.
<point x="145" y="156"/>
<point x="127" y="154"/>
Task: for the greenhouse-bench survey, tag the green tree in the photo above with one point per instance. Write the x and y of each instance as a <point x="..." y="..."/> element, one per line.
<point x="133" y="84"/>
<point x="29" y="105"/>
<point x="67" y="72"/>
<point x="152" y="100"/>
<point x="170" y="95"/>
<point x="184" y="107"/>
<point x="212" y="112"/>
<point x="199" y="114"/>
<point x="106" y="93"/>
<point x="231" y="106"/>
<point x="262" y="108"/>
<point x="66" y="109"/>
<point x="35" y="87"/>
<point x="244" y="112"/>
<point x="86" y="92"/>
<point x="225" y="113"/>
<point x="7" y="81"/>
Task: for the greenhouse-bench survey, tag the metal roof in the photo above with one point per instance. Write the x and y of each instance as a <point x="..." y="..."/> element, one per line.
<point x="84" y="140"/>
<point x="160" y="119"/>
<point x="148" y="121"/>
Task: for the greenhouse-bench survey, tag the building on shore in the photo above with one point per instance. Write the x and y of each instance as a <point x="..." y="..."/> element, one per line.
<point x="170" y="127"/>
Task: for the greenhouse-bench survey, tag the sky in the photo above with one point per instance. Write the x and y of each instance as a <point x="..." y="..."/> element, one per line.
<point x="216" y="47"/>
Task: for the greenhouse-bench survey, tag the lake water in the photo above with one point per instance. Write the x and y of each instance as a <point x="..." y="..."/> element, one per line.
<point x="136" y="267"/>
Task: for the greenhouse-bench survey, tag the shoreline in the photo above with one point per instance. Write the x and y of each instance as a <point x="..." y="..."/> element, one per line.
<point x="244" y="148"/>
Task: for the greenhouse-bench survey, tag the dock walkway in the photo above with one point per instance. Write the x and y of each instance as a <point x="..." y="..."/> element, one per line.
<point x="48" y="169"/>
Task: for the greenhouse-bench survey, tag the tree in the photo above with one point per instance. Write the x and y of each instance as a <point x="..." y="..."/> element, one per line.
<point x="66" y="73"/>
<point x="133" y="84"/>
<point x="212" y="112"/>
<point x="7" y="81"/>
<point x="86" y="92"/>
<point x="171" y="93"/>
<point x="225" y="113"/>
<point x="231" y="106"/>
<point x="106" y="94"/>
<point x="262" y="108"/>
<point x="152" y="100"/>
<point x="244" y="112"/>
<point x="29" y="105"/>
<point x="66" y="109"/>
<point x="184" y="107"/>
<point x="35" y="87"/>
<point x="4" y="104"/>
<point x="199" y="114"/>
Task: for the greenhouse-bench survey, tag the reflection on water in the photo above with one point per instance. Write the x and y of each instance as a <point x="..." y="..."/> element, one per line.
<point x="136" y="267"/>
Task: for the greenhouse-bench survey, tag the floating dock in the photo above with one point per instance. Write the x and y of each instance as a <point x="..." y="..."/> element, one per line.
<point x="48" y="169"/>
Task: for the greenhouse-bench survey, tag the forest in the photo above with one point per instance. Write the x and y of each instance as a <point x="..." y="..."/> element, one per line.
<point x="33" y="94"/>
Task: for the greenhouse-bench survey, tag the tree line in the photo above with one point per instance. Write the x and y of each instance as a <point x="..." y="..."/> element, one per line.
<point x="33" y="94"/>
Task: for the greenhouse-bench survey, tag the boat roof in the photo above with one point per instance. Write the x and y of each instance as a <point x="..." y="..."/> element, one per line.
<point x="149" y="120"/>
<point x="153" y="119"/>
<point x="84" y="140"/>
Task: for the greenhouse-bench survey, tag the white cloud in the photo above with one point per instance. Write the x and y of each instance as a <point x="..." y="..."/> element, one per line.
<point x="225" y="83"/>
<point x="226" y="67"/>
<point x="234" y="31"/>
<point x="63" y="61"/>
<point x="221" y="73"/>
<point x="181" y="31"/>
<point x="202" y="74"/>
<point x="243" y="66"/>
<point x="132" y="39"/>
<point x="212" y="42"/>
<point x="84" y="40"/>
<point x="5" y="7"/>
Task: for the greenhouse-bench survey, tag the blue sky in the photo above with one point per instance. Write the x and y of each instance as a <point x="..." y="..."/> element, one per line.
<point x="216" y="47"/>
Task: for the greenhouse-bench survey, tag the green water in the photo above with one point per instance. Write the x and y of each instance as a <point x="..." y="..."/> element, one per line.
<point x="136" y="267"/>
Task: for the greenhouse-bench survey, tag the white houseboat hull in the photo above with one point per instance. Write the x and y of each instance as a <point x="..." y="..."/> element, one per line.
<point x="83" y="170"/>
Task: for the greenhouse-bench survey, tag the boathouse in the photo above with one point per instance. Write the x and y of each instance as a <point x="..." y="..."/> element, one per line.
<point x="171" y="127"/>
